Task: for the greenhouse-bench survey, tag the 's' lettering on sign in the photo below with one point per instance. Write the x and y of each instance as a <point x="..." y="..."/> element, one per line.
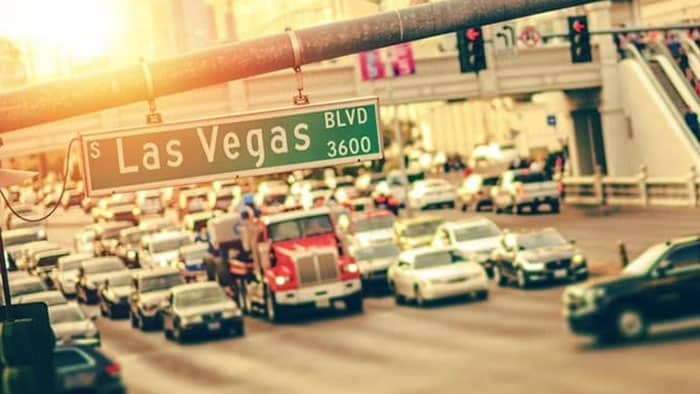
<point x="253" y="143"/>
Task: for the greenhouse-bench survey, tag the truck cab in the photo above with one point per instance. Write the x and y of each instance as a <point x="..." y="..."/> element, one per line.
<point x="298" y="260"/>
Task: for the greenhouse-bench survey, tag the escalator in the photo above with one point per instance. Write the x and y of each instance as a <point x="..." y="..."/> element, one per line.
<point x="679" y="103"/>
<point x="691" y="48"/>
<point x="655" y="100"/>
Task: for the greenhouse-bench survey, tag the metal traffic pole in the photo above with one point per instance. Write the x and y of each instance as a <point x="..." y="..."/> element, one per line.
<point x="82" y="94"/>
<point x="5" y="280"/>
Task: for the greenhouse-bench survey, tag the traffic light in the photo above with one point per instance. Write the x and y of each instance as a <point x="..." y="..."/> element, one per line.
<point x="580" y="39"/>
<point x="470" y="43"/>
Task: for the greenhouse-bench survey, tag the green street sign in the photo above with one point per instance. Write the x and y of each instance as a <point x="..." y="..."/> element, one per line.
<point x="246" y="144"/>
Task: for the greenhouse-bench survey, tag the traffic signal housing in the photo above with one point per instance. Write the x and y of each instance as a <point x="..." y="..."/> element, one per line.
<point x="580" y="39"/>
<point x="472" y="57"/>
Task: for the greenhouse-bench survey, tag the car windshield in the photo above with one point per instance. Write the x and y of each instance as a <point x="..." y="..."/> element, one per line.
<point x="422" y="228"/>
<point x="66" y="314"/>
<point x="377" y="252"/>
<point x="98" y="267"/>
<point x="70" y="265"/>
<point x="122" y="280"/>
<point x="28" y="287"/>
<point x="300" y="228"/>
<point x="165" y="245"/>
<point x="274" y="199"/>
<point x="436" y="259"/>
<point x="163" y="282"/>
<point x="132" y="238"/>
<point x="194" y="254"/>
<point x="372" y="223"/>
<point x="201" y="296"/>
<point x="470" y="233"/>
<point x="645" y="261"/>
<point x="541" y="240"/>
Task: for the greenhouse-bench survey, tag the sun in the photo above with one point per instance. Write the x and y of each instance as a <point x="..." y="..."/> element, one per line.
<point x="78" y="30"/>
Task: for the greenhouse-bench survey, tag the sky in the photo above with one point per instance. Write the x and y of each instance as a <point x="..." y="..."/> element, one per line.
<point x="79" y="30"/>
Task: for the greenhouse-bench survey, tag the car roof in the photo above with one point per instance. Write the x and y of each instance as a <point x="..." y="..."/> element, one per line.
<point x="156" y="272"/>
<point x="470" y="222"/>
<point x="75" y="257"/>
<point x="68" y="305"/>
<point x="411" y="254"/>
<point x="52" y="252"/>
<point x="193" y="286"/>
<point x="131" y="230"/>
<point x="533" y="231"/>
<point x="194" y="246"/>
<point x="97" y="260"/>
<point x="167" y="235"/>
<point x="420" y="219"/>
<point x="284" y="216"/>
<point x="22" y="231"/>
<point x="371" y="214"/>
<point x="35" y="297"/>
<point x="112" y="225"/>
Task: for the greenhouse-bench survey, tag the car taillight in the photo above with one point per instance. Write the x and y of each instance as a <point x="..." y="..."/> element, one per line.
<point x="560" y="187"/>
<point x="113" y="370"/>
<point x="521" y="191"/>
<point x="392" y="201"/>
<point x="380" y="199"/>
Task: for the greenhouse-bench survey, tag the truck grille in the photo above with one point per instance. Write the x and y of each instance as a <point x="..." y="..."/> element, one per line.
<point x="558" y="264"/>
<point x="317" y="268"/>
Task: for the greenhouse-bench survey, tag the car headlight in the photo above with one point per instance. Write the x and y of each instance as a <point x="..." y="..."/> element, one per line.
<point x="578" y="259"/>
<point x="41" y="234"/>
<point x="136" y="211"/>
<point x="530" y="266"/>
<point x="233" y="312"/>
<point x="194" y="319"/>
<point x="593" y="295"/>
<point x="131" y="255"/>
<point x="91" y="286"/>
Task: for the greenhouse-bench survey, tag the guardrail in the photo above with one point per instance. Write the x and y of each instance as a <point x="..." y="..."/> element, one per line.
<point x="639" y="190"/>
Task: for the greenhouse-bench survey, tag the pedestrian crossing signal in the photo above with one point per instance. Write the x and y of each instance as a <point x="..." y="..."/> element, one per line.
<point x="580" y="39"/>
<point x="472" y="56"/>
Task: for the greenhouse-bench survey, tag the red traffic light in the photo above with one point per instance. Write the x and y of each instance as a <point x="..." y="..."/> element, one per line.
<point x="473" y="34"/>
<point x="579" y="26"/>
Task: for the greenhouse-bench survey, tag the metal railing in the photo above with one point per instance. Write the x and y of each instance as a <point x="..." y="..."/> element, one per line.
<point x="639" y="190"/>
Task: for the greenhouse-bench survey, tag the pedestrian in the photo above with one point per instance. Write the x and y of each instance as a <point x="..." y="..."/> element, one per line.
<point x="691" y="119"/>
<point x="683" y="62"/>
<point x="674" y="46"/>
<point x="697" y="87"/>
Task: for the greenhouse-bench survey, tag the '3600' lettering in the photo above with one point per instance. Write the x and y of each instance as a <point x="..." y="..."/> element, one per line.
<point x="351" y="146"/>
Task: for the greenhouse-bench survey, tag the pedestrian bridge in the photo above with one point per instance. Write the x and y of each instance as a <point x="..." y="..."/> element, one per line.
<point x="437" y="78"/>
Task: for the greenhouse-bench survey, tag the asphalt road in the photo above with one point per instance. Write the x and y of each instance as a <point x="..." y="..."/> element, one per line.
<point x="515" y="342"/>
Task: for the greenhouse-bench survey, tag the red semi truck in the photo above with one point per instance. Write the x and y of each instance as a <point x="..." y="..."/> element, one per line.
<point x="286" y="261"/>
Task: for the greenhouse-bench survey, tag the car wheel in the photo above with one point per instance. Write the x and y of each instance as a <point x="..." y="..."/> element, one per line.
<point x="168" y="333"/>
<point x="496" y="209"/>
<point x="418" y="297"/>
<point x="464" y="207"/>
<point x="272" y="310"/>
<point x="399" y="299"/>
<point x="134" y="321"/>
<point x="178" y="334"/>
<point x="451" y="205"/>
<point x="522" y="279"/>
<point x="534" y="207"/>
<point x="498" y="277"/>
<point x="482" y="295"/>
<point x="354" y="303"/>
<point x="630" y="324"/>
<point x="554" y="206"/>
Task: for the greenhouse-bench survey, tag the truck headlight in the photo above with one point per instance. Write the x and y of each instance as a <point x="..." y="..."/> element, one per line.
<point x="281" y="280"/>
<point x="578" y="259"/>
<point x="351" y="268"/>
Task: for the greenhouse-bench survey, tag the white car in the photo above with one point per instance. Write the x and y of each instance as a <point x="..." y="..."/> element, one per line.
<point x="372" y="227"/>
<point x="374" y="262"/>
<point x="163" y="249"/>
<point x="432" y="192"/>
<point x="477" y="238"/>
<point x="431" y="273"/>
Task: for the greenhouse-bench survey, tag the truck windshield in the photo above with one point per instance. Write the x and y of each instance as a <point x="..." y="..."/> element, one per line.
<point x="300" y="228"/>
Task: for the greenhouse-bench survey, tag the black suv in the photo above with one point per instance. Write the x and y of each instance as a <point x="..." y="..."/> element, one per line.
<point x="662" y="284"/>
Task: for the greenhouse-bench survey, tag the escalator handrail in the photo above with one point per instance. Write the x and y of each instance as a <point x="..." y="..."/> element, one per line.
<point x="680" y="119"/>
<point x="662" y="50"/>
<point x="689" y="43"/>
